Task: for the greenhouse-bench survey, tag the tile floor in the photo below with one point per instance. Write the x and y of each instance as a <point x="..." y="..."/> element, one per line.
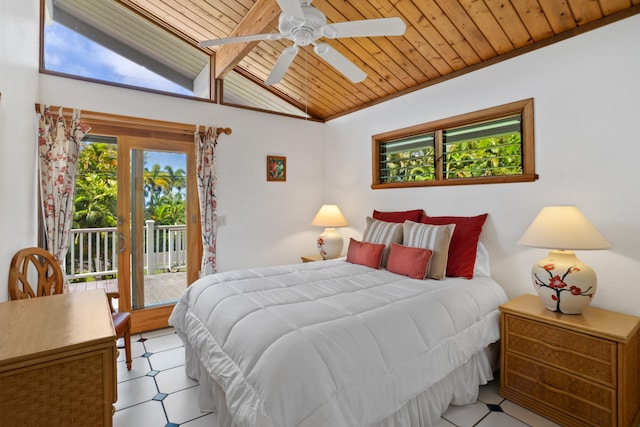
<point x="157" y="393"/>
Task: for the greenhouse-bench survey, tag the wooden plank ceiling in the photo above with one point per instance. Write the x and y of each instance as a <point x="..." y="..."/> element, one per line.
<point x="444" y="38"/>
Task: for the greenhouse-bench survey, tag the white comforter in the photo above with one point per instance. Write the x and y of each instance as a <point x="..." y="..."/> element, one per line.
<point x="331" y="343"/>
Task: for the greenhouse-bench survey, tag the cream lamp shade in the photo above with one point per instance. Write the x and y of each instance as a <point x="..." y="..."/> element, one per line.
<point x="564" y="283"/>
<point x="330" y="242"/>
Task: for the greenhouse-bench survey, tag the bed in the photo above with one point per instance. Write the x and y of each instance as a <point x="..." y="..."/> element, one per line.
<point x="336" y="343"/>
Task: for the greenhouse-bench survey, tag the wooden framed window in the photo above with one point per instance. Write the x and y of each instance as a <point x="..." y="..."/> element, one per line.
<point x="489" y="146"/>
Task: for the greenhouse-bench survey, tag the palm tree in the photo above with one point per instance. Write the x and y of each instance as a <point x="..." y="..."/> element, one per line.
<point x="156" y="181"/>
<point x="163" y="188"/>
<point x="177" y="178"/>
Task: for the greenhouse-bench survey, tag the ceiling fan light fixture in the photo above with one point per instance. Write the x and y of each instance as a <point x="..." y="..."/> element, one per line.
<point x="303" y="36"/>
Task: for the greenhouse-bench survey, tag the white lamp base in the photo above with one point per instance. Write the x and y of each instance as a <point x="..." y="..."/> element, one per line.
<point x="330" y="243"/>
<point x="564" y="283"/>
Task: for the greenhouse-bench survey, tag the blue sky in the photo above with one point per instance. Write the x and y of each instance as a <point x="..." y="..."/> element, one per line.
<point x="68" y="52"/>
<point x="175" y="160"/>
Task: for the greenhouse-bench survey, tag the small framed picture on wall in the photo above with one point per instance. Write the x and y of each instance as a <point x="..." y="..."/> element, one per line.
<point x="276" y="168"/>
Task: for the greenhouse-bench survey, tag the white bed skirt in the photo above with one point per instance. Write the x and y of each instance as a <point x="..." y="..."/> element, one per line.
<point x="460" y="387"/>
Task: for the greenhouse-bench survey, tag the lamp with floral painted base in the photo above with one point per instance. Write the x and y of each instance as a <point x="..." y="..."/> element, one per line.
<point x="564" y="283"/>
<point x="330" y="242"/>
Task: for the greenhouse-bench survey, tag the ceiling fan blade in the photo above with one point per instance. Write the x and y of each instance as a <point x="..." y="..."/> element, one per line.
<point x="240" y="39"/>
<point x="292" y="10"/>
<point x="282" y="65"/>
<point x="340" y="62"/>
<point x="365" y="28"/>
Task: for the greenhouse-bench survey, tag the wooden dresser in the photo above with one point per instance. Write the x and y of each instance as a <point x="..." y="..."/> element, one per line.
<point x="578" y="370"/>
<point x="57" y="361"/>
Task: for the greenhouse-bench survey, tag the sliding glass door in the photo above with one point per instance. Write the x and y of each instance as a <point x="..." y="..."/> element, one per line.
<point x="157" y="227"/>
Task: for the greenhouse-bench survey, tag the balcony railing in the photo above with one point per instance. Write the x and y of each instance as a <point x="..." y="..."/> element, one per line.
<point x="93" y="252"/>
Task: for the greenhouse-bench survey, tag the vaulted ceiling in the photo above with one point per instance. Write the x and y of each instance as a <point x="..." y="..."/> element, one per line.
<point x="444" y="38"/>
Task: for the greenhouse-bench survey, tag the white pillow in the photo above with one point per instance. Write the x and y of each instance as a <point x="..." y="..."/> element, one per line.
<point x="482" y="266"/>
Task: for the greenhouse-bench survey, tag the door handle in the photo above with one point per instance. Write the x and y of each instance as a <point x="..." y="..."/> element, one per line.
<point x="121" y="240"/>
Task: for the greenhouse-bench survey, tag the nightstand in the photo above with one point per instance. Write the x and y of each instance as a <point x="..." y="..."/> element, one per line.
<point x="312" y="258"/>
<point x="578" y="370"/>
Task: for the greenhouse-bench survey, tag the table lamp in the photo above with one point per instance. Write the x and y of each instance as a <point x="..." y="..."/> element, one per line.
<point x="564" y="283"/>
<point x="330" y="241"/>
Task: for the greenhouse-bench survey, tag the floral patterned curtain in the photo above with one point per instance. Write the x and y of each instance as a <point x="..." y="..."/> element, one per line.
<point x="58" y="146"/>
<point x="207" y="177"/>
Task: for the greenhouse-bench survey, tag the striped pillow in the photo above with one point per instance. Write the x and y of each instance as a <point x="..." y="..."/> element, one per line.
<point x="434" y="237"/>
<point x="382" y="232"/>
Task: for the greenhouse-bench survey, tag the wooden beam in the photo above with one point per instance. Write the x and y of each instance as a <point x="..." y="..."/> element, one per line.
<point x="262" y="18"/>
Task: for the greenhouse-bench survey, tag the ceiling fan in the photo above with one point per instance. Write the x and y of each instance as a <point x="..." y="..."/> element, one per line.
<point x="304" y="25"/>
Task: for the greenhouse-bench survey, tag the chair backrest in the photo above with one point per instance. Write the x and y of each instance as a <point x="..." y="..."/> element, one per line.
<point x="30" y="265"/>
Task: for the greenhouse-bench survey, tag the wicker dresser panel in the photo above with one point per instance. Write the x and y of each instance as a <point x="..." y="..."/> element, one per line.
<point x="71" y="391"/>
<point x="631" y="386"/>
<point x="560" y="390"/>
<point x="592" y="357"/>
<point x="57" y="361"/>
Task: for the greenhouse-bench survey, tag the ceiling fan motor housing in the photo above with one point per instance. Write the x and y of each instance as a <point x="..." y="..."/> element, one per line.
<point x="303" y="33"/>
<point x="303" y="24"/>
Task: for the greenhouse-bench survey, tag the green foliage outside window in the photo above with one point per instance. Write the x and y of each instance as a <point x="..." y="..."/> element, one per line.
<point x="96" y="195"/>
<point x="407" y="166"/>
<point x="495" y="156"/>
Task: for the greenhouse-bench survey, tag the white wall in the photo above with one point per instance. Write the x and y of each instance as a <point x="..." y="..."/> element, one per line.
<point x="19" y="88"/>
<point x="267" y="222"/>
<point x="586" y="91"/>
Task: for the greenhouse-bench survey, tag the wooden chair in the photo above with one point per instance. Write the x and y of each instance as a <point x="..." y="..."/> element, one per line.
<point x="41" y="265"/>
<point x="49" y="277"/>
<point x="122" y="324"/>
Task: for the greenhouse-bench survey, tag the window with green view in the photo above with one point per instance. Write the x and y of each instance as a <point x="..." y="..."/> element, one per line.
<point x="488" y="146"/>
<point x="408" y="159"/>
<point x="483" y="149"/>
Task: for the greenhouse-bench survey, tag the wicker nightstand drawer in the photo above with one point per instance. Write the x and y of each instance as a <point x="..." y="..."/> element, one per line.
<point x="559" y="389"/>
<point x="578" y="370"/>
<point x="582" y="354"/>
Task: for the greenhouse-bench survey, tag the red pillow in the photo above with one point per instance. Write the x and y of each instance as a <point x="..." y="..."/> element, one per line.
<point x="412" y="262"/>
<point x="464" y="243"/>
<point x="399" y="216"/>
<point x="365" y="253"/>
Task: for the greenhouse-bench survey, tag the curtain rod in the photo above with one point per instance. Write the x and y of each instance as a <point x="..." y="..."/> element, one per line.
<point x="93" y="118"/>
<point x="203" y="128"/>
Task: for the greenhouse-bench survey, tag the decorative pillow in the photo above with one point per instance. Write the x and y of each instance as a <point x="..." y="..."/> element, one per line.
<point x="464" y="243"/>
<point x="399" y="216"/>
<point x="363" y="253"/>
<point x="412" y="262"/>
<point x="434" y="237"/>
<point x="382" y="232"/>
